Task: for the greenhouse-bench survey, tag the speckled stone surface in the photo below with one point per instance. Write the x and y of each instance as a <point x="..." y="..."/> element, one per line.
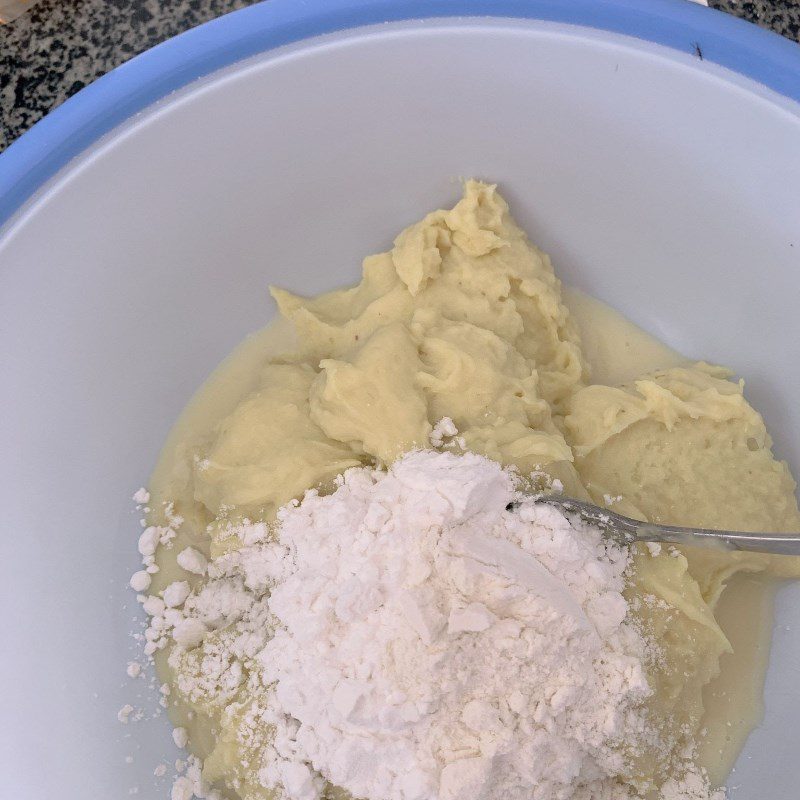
<point x="59" y="46"/>
<point x="781" y="16"/>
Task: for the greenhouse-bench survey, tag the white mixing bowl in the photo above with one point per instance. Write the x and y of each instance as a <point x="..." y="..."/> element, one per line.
<point x="664" y="184"/>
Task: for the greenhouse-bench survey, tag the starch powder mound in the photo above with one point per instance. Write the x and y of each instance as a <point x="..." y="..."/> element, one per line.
<point x="433" y="644"/>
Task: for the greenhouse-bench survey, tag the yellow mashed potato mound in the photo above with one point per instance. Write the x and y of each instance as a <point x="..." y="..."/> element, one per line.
<point x="464" y="318"/>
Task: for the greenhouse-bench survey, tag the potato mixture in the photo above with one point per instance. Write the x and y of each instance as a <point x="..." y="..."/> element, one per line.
<point x="464" y="318"/>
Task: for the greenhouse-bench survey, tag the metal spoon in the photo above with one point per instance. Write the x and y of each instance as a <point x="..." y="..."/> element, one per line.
<point x="625" y="530"/>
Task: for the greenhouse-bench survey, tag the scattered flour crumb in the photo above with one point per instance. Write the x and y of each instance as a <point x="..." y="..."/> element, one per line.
<point x="149" y="540"/>
<point x="180" y="737"/>
<point x="140" y="581"/>
<point x="192" y="561"/>
<point x="444" y="429"/>
<point x="542" y="482"/>
<point x="153" y="605"/>
<point x="191" y="784"/>
<point x="189" y="632"/>
<point x="182" y="789"/>
<point x="176" y="593"/>
<point x="692" y="785"/>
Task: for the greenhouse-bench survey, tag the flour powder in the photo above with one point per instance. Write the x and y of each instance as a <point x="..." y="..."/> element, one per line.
<point x="409" y="637"/>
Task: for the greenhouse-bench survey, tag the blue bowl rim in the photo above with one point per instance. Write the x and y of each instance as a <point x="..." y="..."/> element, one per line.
<point x="36" y="156"/>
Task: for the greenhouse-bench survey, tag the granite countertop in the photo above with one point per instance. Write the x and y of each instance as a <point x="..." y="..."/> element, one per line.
<point x="59" y="46"/>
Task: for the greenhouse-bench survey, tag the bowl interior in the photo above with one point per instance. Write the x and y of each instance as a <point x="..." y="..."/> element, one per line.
<point x="661" y="184"/>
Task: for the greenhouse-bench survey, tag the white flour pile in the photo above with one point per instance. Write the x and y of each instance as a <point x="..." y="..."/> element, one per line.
<point x="432" y="644"/>
<point x="409" y="638"/>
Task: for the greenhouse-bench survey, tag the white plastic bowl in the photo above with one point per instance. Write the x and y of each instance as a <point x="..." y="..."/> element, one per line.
<point x="661" y="183"/>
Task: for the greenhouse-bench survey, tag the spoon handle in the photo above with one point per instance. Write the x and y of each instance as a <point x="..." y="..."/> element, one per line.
<point x="626" y="530"/>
